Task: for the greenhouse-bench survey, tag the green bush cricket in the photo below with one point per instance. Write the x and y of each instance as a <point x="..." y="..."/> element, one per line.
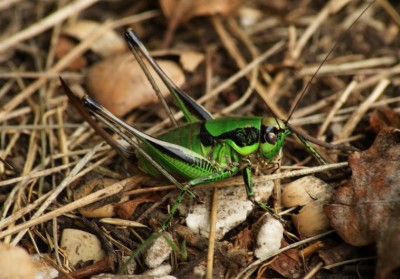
<point x="205" y="149"/>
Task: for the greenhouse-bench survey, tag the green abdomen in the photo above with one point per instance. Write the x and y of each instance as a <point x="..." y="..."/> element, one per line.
<point x="187" y="136"/>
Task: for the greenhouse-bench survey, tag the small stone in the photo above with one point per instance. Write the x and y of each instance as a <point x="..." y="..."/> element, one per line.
<point x="158" y="251"/>
<point x="81" y="246"/>
<point x="161" y="270"/>
<point x="269" y="237"/>
<point x="233" y="208"/>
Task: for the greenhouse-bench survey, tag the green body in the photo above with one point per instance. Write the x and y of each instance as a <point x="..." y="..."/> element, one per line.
<point x="205" y="149"/>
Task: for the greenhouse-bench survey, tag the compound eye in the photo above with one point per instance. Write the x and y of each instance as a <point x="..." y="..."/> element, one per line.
<point x="271" y="137"/>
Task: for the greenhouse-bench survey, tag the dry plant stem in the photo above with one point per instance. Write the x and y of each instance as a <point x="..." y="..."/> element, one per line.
<point x="332" y="7"/>
<point x="61" y="64"/>
<point x="311" y="249"/>
<point x="36" y="75"/>
<point x="104" y="193"/>
<point x="255" y="264"/>
<point x="62" y="137"/>
<point x="15" y="199"/>
<point x="362" y="109"/>
<point x="390" y="10"/>
<point x="66" y="60"/>
<point x="273" y="50"/>
<point x="46" y="23"/>
<point x="245" y="96"/>
<point x="228" y="42"/>
<point x="341" y="114"/>
<point x="24" y="210"/>
<point x="342" y="69"/>
<point x="8" y="3"/>
<point x="328" y="267"/>
<point x="36" y="174"/>
<point x="211" y="238"/>
<point x="339" y="103"/>
<point x="361" y="86"/>
<point x="6" y="88"/>
<point x="313" y="271"/>
<point x="60" y="188"/>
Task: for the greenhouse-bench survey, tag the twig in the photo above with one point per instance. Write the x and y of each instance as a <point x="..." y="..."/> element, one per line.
<point x="341" y="100"/>
<point x="211" y="239"/>
<point x="359" y="113"/>
<point x="46" y="23"/>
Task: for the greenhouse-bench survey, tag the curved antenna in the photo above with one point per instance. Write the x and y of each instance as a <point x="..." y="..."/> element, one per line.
<point x="324" y="61"/>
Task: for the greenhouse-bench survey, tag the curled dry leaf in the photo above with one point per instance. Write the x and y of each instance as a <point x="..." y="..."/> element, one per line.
<point x="311" y="194"/>
<point x="365" y="211"/>
<point x="124" y="210"/>
<point x="119" y="84"/>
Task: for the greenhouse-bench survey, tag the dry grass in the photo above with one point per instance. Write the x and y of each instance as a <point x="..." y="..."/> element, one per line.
<point x="47" y="150"/>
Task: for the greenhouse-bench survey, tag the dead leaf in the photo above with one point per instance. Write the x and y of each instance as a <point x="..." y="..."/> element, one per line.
<point x="178" y="11"/>
<point x="120" y="85"/>
<point x="384" y="117"/>
<point x="190" y="60"/>
<point x="65" y="45"/>
<point x="99" y="209"/>
<point x="125" y="210"/>
<point x="244" y="239"/>
<point x="109" y="44"/>
<point x="288" y="264"/>
<point x="338" y="254"/>
<point x="365" y="211"/>
<point x="190" y="9"/>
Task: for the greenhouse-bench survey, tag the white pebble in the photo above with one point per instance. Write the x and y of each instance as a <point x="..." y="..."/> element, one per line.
<point x="162" y="270"/>
<point x="233" y="208"/>
<point x="158" y="251"/>
<point x="269" y="237"/>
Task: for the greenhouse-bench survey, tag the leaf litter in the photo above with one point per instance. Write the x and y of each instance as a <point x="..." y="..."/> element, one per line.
<point x="41" y="139"/>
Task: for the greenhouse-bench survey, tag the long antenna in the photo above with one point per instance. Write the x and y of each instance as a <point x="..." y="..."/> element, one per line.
<point x="325" y="59"/>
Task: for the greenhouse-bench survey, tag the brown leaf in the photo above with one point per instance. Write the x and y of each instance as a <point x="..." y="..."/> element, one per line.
<point x="338" y="254"/>
<point x="384" y="117"/>
<point x="99" y="209"/>
<point x="65" y="45"/>
<point x="190" y="60"/>
<point x="178" y="11"/>
<point x="125" y="210"/>
<point x="365" y="211"/>
<point x="189" y="9"/>
<point x="109" y="44"/>
<point x="244" y="239"/>
<point x="120" y="85"/>
<point x="288" y="264"/>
